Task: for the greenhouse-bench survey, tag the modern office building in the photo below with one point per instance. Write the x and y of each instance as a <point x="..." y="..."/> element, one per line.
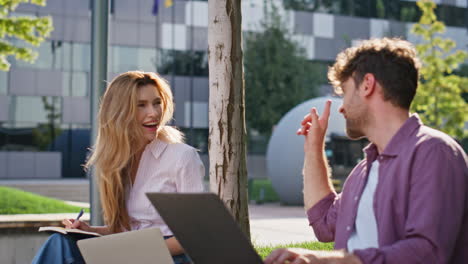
<point x="45" y="106"/>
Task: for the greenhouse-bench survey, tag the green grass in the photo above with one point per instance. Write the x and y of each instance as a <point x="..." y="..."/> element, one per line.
<point x="14" y="201"/>
<point x="261" y="190"/>
<point x="266" y="250"/>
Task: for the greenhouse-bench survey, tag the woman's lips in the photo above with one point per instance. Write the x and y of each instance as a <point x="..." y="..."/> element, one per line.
<point x="150" y="128"/>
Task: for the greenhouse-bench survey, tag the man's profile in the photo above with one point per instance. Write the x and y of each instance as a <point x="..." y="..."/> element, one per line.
<point x="407" y="201"/>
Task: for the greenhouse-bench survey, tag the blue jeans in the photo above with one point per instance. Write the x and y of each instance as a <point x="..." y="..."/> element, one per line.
<point x="63" y="249"/>
<point x="59" y="249"/>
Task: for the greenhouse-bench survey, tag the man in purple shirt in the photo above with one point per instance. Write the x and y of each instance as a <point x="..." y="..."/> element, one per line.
<point x="407" y="201"/>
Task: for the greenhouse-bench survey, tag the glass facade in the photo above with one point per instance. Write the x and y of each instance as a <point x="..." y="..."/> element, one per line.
<point x="75" y="83"/>
<point x="399" y="10"/>
<point x="183" y="63"/>
<point x="3" y="83"/>
<point x="44" y="106"/>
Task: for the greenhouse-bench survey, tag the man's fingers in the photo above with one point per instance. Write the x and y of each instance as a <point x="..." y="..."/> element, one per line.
<point x="301" y="260"/>
<point x="312" y="119"/>
<point x="306" y="119"/>
<point x="326" y="111"/>
<point x="304" y="130"/>
<point x="279" y="256"/>
<point x="286" y="255"/>
<point x="273" y="256"/>
<point x="314" y="116"/>
<point x="325" y="115"/>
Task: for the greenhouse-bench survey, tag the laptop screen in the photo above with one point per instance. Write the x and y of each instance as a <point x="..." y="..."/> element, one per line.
<point x="205" y="228"/>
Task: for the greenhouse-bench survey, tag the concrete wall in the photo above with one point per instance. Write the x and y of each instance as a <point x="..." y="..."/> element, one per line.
<point x="19" y="236"/>
<point x="30" y="165"/>
<point x="19" y="245"/>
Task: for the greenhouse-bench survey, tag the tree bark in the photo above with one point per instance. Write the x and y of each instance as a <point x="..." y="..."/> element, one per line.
<point x="227" y="132"/>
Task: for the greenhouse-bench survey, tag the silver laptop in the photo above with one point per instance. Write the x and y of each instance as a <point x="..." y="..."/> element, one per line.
<point x="204" y="228"/>
<point x="142" y="246"/>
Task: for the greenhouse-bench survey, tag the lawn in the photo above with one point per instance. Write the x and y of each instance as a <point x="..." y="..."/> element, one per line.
<point x="14" y="201"/>
<point x="264" y="251"/>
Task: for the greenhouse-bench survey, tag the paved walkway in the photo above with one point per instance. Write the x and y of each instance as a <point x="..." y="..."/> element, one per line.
<point x="273" y="224"/>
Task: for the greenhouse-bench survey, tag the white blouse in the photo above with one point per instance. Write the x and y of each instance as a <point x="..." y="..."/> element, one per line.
<point x="163" y="167"/>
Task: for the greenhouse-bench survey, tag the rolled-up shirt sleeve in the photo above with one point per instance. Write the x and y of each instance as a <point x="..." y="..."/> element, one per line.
<point x="322" y="217"/>
<point x="435" y="210"/>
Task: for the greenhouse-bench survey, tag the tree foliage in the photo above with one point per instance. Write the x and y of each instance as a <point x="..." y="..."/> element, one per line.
<point x="277" y="74"/>
<point x="31" y="30"/>
<point x="439" y="99"/>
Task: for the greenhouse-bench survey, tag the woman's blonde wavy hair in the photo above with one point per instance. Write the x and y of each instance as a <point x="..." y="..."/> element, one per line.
<point x="120" y="138"/>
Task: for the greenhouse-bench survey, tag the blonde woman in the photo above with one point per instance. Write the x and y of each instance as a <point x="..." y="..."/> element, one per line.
<point x="135" y="152"/>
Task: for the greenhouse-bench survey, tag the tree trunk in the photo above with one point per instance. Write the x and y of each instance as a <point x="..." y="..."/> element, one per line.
<point x="227" y="132"/>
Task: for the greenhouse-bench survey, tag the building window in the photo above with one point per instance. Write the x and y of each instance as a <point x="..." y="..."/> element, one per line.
<point x="35" y="123"/>
<point x="124" y="59"/>
<point x="402" y="10"/>
<point x="183" y="63"/>
<point x="3" y="82"/>
<point x="76" y="56"/>
<point x="75" y="84"/>
<point x="197" y="138"/>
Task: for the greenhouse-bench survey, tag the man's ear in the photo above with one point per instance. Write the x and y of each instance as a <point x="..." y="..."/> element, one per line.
<point x="368" y="85"/>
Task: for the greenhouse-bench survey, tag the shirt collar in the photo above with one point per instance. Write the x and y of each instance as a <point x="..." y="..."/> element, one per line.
<point x="157" y="147"/>
<point x="397" y="141"/>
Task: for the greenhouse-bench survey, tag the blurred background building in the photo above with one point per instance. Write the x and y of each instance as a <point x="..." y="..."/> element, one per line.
<point x="45" y="106"/>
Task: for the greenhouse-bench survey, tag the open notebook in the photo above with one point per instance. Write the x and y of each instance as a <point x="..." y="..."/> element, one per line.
<point x="146" y="246"/>
<point x="69" y="231"/>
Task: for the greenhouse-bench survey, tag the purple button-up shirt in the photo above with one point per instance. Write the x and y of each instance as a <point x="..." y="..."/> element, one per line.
<point x="420" y="202"/>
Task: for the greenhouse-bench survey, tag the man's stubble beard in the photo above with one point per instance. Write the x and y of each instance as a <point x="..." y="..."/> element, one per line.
<point x="355" y="126"/>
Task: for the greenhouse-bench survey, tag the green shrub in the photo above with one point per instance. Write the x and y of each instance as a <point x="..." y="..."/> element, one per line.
<point x="261" y="191"/>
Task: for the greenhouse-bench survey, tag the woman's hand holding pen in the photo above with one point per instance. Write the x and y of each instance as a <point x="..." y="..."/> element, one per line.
<point x="77" y="224"/>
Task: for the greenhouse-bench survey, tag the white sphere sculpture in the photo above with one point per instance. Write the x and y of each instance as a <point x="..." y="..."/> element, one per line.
<point x="285" y="153"/>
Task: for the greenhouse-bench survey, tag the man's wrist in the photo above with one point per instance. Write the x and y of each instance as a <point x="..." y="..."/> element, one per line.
<point x="337" y="257"/>
<point x="350" y="258"/>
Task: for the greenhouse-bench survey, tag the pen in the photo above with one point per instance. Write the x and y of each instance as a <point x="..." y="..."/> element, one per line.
<point x="79" y="214"/>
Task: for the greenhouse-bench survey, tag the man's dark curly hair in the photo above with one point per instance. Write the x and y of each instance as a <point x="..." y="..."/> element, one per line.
<point x="392" y="61"/>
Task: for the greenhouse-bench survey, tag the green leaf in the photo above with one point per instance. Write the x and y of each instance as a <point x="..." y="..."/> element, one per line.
<point x="439" y="98"/>
<point x="30" y="29"/>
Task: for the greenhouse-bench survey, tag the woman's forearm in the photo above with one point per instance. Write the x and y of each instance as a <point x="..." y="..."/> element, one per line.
<point x="103" y="230"/>
<point x="174" y="246"/>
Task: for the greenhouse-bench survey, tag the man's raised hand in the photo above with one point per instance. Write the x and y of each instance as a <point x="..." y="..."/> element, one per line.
<point x="314" y="127"/>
